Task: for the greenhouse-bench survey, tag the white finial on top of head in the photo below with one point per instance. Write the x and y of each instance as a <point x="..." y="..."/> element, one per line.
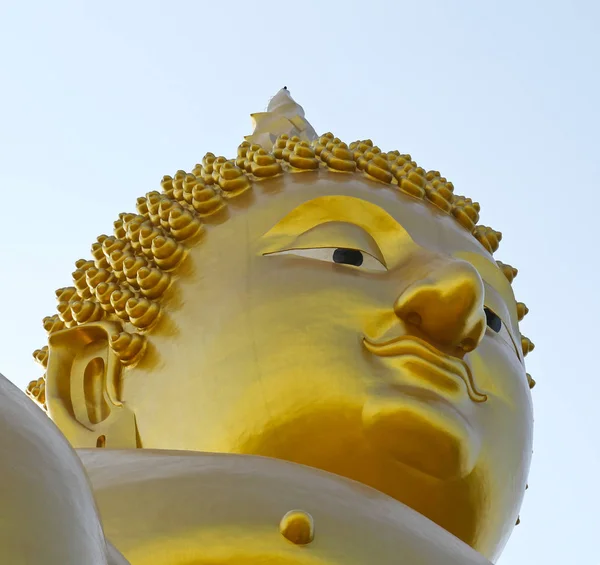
<point x="283" y="116"/>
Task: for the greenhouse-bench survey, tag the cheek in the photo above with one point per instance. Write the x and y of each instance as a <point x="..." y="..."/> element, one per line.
<point x="499" y="373"/>
<point x="506" y="419"/>
<point x="313" y="297"/>
<point x="310" y="317"/>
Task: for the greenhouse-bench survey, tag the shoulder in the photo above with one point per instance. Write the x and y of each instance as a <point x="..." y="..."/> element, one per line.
<point x="159" y="506"/>
<point x="48" y="512"/>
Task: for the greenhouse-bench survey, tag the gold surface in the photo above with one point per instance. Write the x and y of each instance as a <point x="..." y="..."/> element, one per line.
<point x="298" y="527"/>
<point x="330" y="305"/>
<point x="176" y="508"/>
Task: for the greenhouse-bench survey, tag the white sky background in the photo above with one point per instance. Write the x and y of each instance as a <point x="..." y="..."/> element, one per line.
<point x="100" y="99"/>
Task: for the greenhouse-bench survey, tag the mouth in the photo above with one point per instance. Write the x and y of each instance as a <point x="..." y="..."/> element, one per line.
<point x="424" y="353"/>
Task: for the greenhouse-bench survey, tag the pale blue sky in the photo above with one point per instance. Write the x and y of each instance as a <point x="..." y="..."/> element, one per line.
<point x="99" y="100"/>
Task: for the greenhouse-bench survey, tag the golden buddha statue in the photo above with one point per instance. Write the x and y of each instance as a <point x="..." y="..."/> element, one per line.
<point x="304" y="354"/>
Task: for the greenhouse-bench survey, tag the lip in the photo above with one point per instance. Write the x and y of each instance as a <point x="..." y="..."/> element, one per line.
<point x="415" y="347"/>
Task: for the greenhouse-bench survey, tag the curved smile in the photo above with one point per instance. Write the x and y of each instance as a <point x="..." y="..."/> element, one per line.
<point x="419" y="350"/>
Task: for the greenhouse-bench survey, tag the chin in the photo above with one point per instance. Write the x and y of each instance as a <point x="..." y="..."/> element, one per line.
<point x="422" y="432"/>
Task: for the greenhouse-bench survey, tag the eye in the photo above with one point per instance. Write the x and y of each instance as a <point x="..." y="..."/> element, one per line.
<point x="493" y="320"/>
<point x="348" y="256"/>
<point x="338" y="255"/>
<point x="495" y="323"/>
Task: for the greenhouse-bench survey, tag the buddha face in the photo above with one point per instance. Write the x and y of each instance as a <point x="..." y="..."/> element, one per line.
<point x="340" y="324"/>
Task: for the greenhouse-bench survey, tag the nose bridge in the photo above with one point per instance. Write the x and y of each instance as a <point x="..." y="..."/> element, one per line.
<point x="446" y="305"/>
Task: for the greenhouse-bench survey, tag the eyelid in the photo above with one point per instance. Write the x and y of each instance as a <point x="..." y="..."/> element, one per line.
<point x="504" y="334"/>
<point x="507" y="312"/>
<point x="365" y="267"/>
<point x="331" y="235"/>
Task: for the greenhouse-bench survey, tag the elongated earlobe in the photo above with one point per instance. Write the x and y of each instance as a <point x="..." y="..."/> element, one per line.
<point x="83" y="387"/>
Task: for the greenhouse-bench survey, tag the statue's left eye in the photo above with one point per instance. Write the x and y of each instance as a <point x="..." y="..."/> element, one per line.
<point x="493" y="320"/>
<point x="495" y="323"/>
<point x="348" y="256"/>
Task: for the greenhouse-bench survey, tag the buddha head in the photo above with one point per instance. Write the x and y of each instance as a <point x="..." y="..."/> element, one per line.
<point x="327" y="304"/>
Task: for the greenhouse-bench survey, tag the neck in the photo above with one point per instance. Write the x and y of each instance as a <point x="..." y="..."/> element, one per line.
<point x="337" y="444"/>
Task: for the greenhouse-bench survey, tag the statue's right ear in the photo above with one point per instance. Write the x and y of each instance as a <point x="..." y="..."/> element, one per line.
<point x="83" y="382"/>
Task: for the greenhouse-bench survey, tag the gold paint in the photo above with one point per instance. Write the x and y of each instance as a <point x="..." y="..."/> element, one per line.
<point x="36" y="390"/>
<point x="167" y="185"/>
<point x="206" y="169"/>
<point x="116" y="260"/>
<point x="174" y="186"/>
<point x="264" y="165"/>
<point x="119" y="299"/>
<point x="131" y="265"/>
<point x="80" y="282"/>
<point x="66" y="294"/>
<point x="94" y="276"/>
<point x="164" y="211"/>
<point x="142" y="206"/>
<point x="189" y="182"/>
<point x="112" y="244"/>
<point x="381" y="371"/>
<point x="527" y="345"/>
<point x="84" y="264"/>
<point x="152" y="281"/>
<point x="205" y="200"/>
<point x="152" y="204"/>
<point x="99" y="256"/>
<point x="119" y="229"/>
<point x="65" y="314"/>
<point x="509" y="272"/>
<point x="132" y="228"/>
<point x="488" y="237"/>
<point x="298" y="527"/>
<point x="147" y="235"/>
<point x="232" y="179"/>
<point x="128" y="347"/>
<point x="53" y="324"/>
<point x="336" y="155"/>
<point x="302" y="157"/>
<point x="167" y="253"/>
<point x="183" y="225"/>
<point x="142" y="312"/>
<point x="379" y="168"/>
<point x="41" y="356"/>
<point x="86" y="311"/>
<point x="421" y="348"/>
<point x="466" y="212"/>
<point x="440" y="193"/>
<point x="411" y="179"/>
<point x="103" y="293"/>
<point x="522" y="310"/>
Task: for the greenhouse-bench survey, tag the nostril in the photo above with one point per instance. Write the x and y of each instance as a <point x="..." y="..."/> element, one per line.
<point x="413" y="318"/>
<point x="468" y="344"/>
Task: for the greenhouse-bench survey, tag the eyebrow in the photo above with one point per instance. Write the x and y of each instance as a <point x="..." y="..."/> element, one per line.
<point x="375" y="221"/>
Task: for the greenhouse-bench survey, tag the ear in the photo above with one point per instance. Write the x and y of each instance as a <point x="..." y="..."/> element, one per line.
<point x="83" y="382"/>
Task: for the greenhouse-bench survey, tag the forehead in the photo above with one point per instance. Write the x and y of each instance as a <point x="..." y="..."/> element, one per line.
<point x="300" y="202"/>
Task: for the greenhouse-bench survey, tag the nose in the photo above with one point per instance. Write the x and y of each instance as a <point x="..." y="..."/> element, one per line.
<point x="446" y="306"/>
